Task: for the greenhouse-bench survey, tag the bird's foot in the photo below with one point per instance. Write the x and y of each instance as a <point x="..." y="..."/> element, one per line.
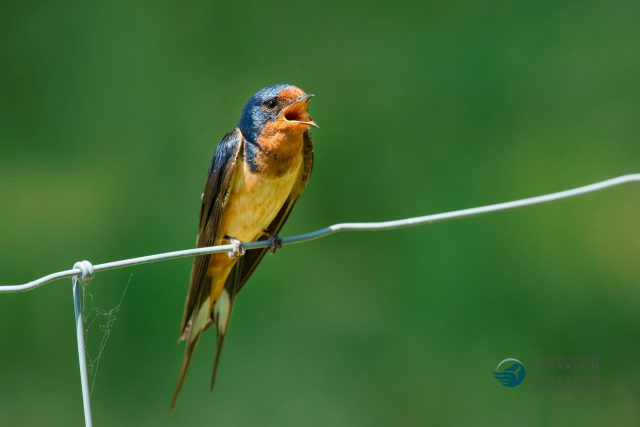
<point x="276" y="242"/>
<point x="237" y="247"/>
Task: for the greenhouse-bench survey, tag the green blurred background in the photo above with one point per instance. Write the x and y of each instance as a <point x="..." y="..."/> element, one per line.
<point x="109" y="114"/>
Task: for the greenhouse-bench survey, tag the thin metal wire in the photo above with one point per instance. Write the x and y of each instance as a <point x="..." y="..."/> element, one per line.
<point x="83" y="271"/>
<point x="336" y="228"/>
<point x="87" y="273"/>
<point x="82" y="354"/>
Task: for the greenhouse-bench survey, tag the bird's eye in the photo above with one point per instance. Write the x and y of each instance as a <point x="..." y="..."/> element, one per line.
<point x="271" y="103"/>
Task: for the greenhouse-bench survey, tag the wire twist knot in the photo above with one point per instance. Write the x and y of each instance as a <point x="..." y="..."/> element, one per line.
<point x="87" y="271"/>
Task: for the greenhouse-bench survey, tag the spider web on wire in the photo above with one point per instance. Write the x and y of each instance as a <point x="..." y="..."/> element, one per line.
<point x="105" y="320"/>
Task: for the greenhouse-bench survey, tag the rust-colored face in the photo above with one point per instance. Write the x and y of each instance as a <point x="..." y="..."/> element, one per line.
<point x="295" y="114"/>
<point x="280" y="108"/>
<point x="282" y="133"/>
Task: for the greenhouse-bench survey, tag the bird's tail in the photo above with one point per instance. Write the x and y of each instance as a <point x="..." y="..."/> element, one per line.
<point x="216" y="360"/>
<point x="203" y="319"/>
<point x="222" y="313"/>
<point x="186" y="360"/>
<point x="196" y="325"/>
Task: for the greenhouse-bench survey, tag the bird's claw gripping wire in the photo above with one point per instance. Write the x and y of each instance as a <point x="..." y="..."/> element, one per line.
<point x="275" y="240"/>
<point x="237" y="247"/>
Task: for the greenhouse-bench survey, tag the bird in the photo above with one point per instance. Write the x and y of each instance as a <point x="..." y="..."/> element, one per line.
<point x="257" y="173"/>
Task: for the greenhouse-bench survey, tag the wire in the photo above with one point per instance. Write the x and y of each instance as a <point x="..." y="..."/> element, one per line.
<point x="323" y="232"/>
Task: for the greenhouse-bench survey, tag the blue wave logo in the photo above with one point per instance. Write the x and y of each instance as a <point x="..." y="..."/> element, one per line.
<point x="510" y="372"/>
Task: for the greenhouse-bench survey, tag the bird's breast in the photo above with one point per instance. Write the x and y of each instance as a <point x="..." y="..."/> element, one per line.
<point x="255" y="199"/>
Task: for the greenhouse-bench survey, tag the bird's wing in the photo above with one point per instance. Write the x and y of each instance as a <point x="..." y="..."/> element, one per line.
<point x="214" y="199"/>
<point x="252" y="258"/>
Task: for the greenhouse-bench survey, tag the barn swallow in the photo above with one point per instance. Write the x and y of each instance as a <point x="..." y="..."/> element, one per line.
<point x="258" y="171"/>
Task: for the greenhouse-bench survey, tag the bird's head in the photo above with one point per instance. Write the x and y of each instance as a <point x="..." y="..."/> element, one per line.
<point x="280" y="108"/>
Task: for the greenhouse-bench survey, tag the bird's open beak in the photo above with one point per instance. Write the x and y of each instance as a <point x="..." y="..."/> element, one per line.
<point x="297" y="111"/>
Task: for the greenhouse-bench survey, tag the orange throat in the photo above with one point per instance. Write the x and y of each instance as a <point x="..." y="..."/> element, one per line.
<point x="280" y="147"/>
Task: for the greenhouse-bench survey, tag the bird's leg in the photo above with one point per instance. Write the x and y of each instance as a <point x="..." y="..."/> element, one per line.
<point x="238" y="248"/>
<point x="276" y="241"/>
